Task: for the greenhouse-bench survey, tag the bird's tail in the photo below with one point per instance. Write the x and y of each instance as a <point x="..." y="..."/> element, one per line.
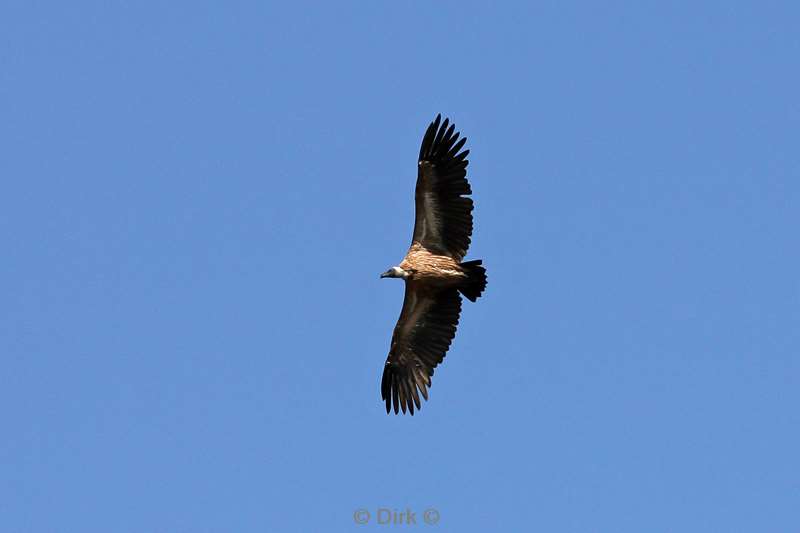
<point x="475" y="283"/>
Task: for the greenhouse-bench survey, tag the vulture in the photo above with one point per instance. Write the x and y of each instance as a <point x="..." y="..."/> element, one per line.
<point x="433" y="271"/>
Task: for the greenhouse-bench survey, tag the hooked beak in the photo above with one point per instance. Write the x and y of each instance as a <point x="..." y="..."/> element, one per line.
<point x="387" y="274"/>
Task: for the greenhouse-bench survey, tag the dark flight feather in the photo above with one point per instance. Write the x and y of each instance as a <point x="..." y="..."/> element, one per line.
<point x="443" y="221"/>
<point x="420" y="341"/>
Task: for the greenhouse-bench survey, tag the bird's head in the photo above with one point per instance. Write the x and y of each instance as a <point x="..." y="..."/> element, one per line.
<point x="395" y="272"/>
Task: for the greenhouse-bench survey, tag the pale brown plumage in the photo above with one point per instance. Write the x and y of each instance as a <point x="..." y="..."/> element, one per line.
<point x="432" y="269"/>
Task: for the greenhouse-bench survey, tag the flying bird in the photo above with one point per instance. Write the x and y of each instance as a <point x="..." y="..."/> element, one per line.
<point x="433" y="270"/>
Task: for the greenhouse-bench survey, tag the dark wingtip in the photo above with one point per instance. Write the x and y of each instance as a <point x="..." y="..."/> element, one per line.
<point x="400" y="392"/>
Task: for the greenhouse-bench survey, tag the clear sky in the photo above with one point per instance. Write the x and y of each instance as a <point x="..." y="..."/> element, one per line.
<point x="198" y="198"/>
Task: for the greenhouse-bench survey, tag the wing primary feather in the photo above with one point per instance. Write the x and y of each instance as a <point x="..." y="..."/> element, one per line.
<point x="440" y="133"/>
<point x="421" y="384"/>
<point x="415" y="395"/>
<point x="427" y="140"/>
<point x="402" y="383"/>
<point x="409" y="400"/>
<point x="395" y="393"/>
<point x="456" y="147"/>
<point x="446" y="140"/>
<point x="461" y="156"/>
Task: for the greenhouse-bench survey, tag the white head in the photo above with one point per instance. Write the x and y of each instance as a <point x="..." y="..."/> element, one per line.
<point x="395" y="272"/>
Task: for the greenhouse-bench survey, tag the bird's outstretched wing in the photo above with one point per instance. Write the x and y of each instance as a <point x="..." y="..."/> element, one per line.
<point x="421" y="338"/>
<point x="443" y="222"/>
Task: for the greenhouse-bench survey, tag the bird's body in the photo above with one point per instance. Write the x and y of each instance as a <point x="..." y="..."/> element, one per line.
<point x="430" y="269"/>
<point x="433" y="270"/>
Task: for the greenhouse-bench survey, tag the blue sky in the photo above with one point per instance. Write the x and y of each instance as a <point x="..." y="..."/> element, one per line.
<point x="198" y="199"/>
